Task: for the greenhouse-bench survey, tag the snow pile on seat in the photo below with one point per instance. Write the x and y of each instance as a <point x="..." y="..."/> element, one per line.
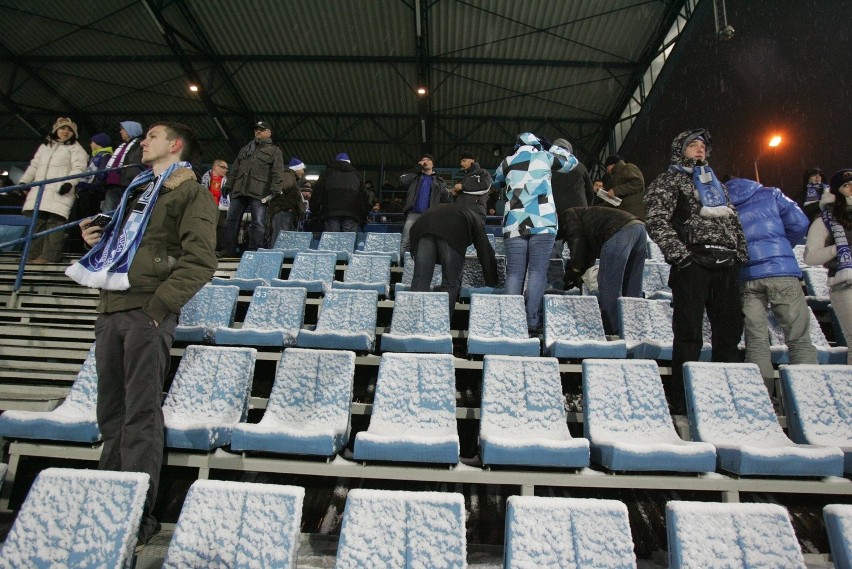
<point x="420" y="323"/>
<point x="311" y="271"/>
<point x="341" y="243"/>
<point x="646" y="327"/>
<point x="347" y="321"/>
<point x="498" y="325"/>
<point x="367" y="272"/>
<point x="211" y="307"/>
<point x="274" y="318"/>
<point x="291" y="243"/>
<point x="256" y="268"/>
<point x="573" y="328"/>
<point x="838" y="524"/>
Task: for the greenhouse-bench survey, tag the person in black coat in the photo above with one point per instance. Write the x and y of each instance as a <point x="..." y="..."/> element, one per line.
<point x="619" y="240"/>
<point x="441" y="235"/>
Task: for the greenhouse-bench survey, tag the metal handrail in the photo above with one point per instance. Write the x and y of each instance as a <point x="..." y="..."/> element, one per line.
<point x="30" y="235"/>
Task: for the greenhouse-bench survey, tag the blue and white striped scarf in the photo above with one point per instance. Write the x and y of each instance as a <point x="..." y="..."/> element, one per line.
<point x="106" y="265"/>
<point x="844" y="253"/>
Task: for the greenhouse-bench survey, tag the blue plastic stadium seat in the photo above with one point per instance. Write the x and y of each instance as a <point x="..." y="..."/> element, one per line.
<point x="312" y="271"/>
<point x="655" y="280"/>
<point x="77" y="518"/>
<point x="383" y="244"/>
<point x="75" y="420"/>
<point x="420" y="323"/>
<point x="646" y="327"/>
<point x="208" y="396"/>
<point x="573" y="329"/>
<point x="274" y="318"/>
<point x="498" y="325"/>
<point x="523" y="418"/>
<point x="473" y="281"/>
<point x="308" y="409"/>
<point x="562" y="533"/>
<point x="627" y="421"/>
<point x="816" y="287"/>
<point x="383" y="529"/>
<point x="729" y="407"/>
<point x="347" y="321"/>
<point x="367" y="272"/>
<point x="408" y="275"/>
<point x="713" y="534"/>
<point x="292" y="242"/>
<point x="211" y="307"/>
<point x="256" y="268"/>
<point x="414" y="411"/>
<point x="838" y="525"/>
<point x="818" y="400"/>
<point x="237" y="524"/>
<point x="341" y="243"/>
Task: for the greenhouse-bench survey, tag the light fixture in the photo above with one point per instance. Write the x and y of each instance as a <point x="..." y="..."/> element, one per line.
<point x="193" y="88"/>
<point x="4" y="173"/>
<point x="774" y="142"/>
<point x="496" y="151"/>
<point x="421" y="91"/>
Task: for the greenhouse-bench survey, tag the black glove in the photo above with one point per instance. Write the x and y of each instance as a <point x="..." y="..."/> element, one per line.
<point x="64" y="188"/>
<point x="572" y="280"/>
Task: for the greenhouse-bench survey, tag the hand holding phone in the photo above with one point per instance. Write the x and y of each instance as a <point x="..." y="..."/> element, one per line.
<point x="100" y="220"/>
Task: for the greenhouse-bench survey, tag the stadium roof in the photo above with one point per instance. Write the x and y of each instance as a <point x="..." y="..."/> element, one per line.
<point x="332" y="76"/>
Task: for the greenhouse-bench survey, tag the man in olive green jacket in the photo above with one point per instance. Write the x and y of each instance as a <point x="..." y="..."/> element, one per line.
<point x="133" y="334"/>
<point x="626" y="183"/>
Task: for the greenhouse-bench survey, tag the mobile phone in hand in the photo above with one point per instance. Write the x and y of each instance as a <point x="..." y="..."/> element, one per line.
<point x="100" y="220"/>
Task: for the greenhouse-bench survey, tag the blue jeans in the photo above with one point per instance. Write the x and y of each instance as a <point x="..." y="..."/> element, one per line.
<point x="620" y="272"/>
<point x="340" y="223"/>
<point x="238" y="207"/>
<point x="433" y="250"/>
<point x="527" y="259"/>
<point x="281" y="221"/>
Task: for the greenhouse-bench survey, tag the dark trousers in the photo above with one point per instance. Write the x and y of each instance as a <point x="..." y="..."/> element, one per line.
<point x="50" y="246"/>
<point x="132" y="361"/>
<point x="433" y="250"/>
<point x="257" y="228"/>
<point x="695" y="289"/>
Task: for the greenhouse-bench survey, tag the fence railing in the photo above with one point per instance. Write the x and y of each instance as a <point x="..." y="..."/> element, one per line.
<point x="26" y="240"/>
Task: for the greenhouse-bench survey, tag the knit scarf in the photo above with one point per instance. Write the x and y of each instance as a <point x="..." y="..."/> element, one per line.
<point x="107" y="264"/>
<point x="814" y="193"/>
<point x="844" y="254"/>
<point x="714" y="202"/>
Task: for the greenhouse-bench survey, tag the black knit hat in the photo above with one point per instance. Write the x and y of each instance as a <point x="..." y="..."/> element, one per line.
<point x="426" y="155"/>
<point x="467" y="156"/>
<point x="612" y="159"/>
<point x="839" y="178"/>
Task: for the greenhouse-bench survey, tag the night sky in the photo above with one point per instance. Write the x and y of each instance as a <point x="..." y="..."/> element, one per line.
<point x="788" y="70"/>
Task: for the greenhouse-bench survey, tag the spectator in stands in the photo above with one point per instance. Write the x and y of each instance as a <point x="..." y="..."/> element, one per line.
<point x="597" y="185"/>
<point x="256" y="176"/>
<point x="699" y="232"/>
<point x="529" y="222"/>
<point x="287" y="208"/>
<point x="813" y="187"/>
<point x="425" y="189"/>
<point x="616" y="237"/>
<point x="306" y="190"/>
<point x="129" y="154"/>
<point x="627" y="184"/>
<point x="90" y="191"/>
<point x="828" y="245"/>
<point x="773" y="224"/>
<point x="573" y="189"/>
<point x="59" y="155"/>
<point x="475" y="186"/>
<point x="157" y="252"/>
<point x="214" y="179"/>
<point x="371" y="192"/>
<point x="339" y="196"/>
<point x="441" y="235"/>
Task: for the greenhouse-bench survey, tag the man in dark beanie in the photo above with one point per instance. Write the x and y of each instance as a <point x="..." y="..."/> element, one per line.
<point x="472" y="191"/>
<point x="425" y="189"/>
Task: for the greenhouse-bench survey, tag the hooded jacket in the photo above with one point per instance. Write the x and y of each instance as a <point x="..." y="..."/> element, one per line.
<point x="54" y="159"/>
<point x="586" y="230"/>
<point x="772" y="224"/>
<point x="526" y="177"/>
<point x="672" y="209"/>
<point x="340" y="192"/>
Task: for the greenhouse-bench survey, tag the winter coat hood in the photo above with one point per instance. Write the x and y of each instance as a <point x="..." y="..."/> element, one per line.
<point x="741" y="189"/>
<point x="132" y="128"/>
<point x="680" y="143"/>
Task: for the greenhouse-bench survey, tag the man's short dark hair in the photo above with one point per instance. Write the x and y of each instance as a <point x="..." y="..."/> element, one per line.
<point x="175" y="130"/>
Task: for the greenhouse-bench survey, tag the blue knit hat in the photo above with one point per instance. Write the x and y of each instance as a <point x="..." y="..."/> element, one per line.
<point x="343" y="156"/>
<point x="102" y="139"/>
<point x="132" y="128"/>
<point x="296" y="164"/>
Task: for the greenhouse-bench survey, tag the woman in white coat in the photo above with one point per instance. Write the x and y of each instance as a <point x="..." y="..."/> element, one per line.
<point x="60" y="155"/>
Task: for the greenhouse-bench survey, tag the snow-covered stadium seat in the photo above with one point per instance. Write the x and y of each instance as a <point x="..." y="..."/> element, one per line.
<point x="77" y="518"/>
<point x="838" y="525"/>
<point x="826" y="353"/>
<point x="523" y="418"/>
<point x="498" y="325"/>
<point x="655" y="253"/>
<point x="420" y="323"/>
<point x="237" y="524"/>
<point x="626" y="419"/>
<point x="818" y="399"/>
<point x="384" y="529"/>
<point x="74" y="420"/>
<point x="341" y="243"/>
<point x="292" y="242"/>
<point x="713" y="534"/>
<point x="473" y="281"/>
<point x="414" y="411"/>
<point x="367" y="272"/>
<point x="347" y="321"/>
<point x="208" y="396"/>
<point x="573" y="329"/>
<point x="211" y="307"/>
<point x="274" y="318"/>
<point x="729" y="407"/>
<point x="816" y="287"/>
<point x="655" y="280"/>
<point x="558" y="533"/>
<point x="408" y="275"/>
<point x="256" y="268"/>
<point x="308" y="409"/>
<point x="646" y="327"/>
<point x="383" y="244"/>
<point x="311" y="271"/>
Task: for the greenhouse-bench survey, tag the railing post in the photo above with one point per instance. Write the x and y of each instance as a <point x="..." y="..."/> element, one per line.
<point x="19" y="278"/>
